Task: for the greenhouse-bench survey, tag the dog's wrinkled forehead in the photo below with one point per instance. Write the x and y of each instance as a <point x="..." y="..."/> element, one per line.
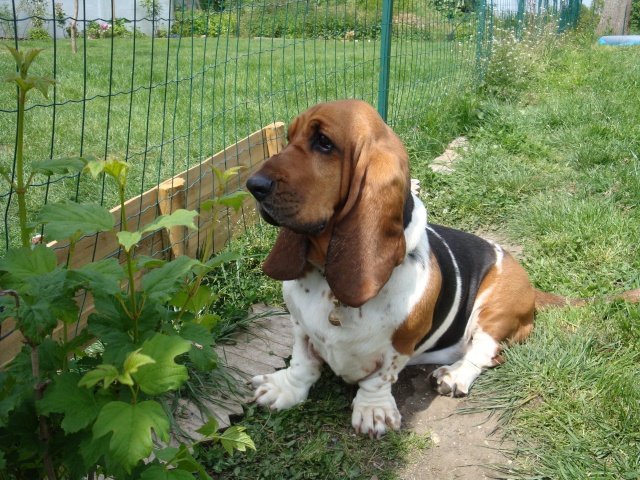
<point x="338" y="119"/>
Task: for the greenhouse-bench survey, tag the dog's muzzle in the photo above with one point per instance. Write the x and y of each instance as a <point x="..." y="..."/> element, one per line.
<point x="260" y="186"/>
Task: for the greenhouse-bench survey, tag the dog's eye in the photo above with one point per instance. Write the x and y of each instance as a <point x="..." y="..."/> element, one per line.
<point x="324" y="144"/>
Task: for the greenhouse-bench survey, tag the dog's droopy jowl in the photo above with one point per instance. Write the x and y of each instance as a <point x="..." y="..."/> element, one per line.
<point x="371" y="285"/>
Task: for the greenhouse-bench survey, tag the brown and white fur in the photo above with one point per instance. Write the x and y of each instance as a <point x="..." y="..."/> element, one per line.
<point x="371" y="285"/>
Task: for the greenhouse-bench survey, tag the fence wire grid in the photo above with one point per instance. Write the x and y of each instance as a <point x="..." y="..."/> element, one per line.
<point x="165" y="84"/>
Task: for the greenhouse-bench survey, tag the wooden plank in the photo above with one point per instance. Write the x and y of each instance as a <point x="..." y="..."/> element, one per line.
<point x="171" y="197"/>
<point x="249" y="357"/>
<point x="199" y="185"/>
<point x="255" y="355"/>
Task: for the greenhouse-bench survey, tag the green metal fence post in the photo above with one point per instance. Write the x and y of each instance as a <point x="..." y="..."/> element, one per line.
<point x="385" y="59"/>
<point x="520" y="17"/>
<point x="481" y="53"/>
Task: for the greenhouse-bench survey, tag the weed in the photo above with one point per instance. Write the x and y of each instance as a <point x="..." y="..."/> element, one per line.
<point x="518" y="57"/>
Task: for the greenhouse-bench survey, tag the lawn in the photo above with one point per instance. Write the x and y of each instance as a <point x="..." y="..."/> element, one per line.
<point x="552" y="167"/>
<point x="168" y="104"/>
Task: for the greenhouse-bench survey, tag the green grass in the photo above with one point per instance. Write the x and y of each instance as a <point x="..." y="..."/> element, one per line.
<point x="167" y="104"/>
<point x="555" y="169"/>
<point x="313" y="440"/>
<point x="553" y="165"/>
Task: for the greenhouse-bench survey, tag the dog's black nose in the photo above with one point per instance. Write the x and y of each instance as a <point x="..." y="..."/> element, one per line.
<point x="260" y="186"/>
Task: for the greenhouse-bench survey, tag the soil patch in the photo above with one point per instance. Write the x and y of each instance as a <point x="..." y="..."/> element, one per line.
<point x="463" y="445"/>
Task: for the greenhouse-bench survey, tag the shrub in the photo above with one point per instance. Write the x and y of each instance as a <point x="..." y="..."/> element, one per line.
<point x="313" y="22"/>
<point x="195" y="23"/>
<point x="38" y="34"/>
<point x="107" y="30"/>
<point x="68" y="413"/>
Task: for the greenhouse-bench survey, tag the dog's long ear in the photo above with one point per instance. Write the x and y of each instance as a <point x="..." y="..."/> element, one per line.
<point x="288" y="257"/>
<point x="368" y="239"/>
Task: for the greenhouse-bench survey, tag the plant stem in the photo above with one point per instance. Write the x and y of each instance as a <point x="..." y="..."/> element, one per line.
<point x="21" y="190"/>
<point x="129" y="254"/>
<point x="39" y="388"/>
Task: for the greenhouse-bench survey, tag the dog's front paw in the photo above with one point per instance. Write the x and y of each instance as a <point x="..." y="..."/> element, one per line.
<point x="277" y="391"/>
<point x="372" y="416"/>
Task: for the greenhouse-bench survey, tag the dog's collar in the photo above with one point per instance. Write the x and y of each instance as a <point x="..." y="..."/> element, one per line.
<point x="335" y="316"/>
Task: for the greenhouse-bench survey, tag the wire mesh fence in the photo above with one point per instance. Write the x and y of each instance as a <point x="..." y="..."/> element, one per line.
<point x="165" y="84"/>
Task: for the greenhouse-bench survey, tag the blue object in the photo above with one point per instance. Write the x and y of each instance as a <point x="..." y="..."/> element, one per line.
<point x="620" y="40"/>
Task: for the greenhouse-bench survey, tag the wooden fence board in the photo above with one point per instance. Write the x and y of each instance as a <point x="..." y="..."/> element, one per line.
<point x="187" y="190"/>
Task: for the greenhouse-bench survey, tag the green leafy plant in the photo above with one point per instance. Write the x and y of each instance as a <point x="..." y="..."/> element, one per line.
<point x="154" y="11"/>
<point x="109" y="29"/>
<point x="66" y="413"/>
<point x="37" y="11"/>
<point x="519" y="56"/>
<point x="25" y="83"/>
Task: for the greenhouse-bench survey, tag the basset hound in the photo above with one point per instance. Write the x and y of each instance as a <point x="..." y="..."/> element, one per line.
<point x="371" y="285"/>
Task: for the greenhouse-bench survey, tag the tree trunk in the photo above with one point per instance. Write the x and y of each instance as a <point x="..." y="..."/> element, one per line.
<point x="615" y="18"/>
<point x="72" y="28"/>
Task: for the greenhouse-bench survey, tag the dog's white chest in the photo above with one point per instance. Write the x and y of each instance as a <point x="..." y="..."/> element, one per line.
<point x="361" y="342"/>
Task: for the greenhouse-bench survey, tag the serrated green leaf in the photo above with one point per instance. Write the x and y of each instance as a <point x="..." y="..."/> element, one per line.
<point x="224" y="176"/>
<point x="145" y="261"/>
<point x="128" y="240"/>
<point x="135" y="360"/>
<point x="38" y="321"/>
<point x="234" y="200"/>
<point x="95" y="168"/>
<point x="179" y="218"/>
<point x="203" y="297"/>
<point x="45" y="301"/>
<point x="161" y="283"/>
<point x="209" y="429"/>
<point x="64" y="395"/>
<point x="202" y="352"/>
<point x="116" y="169"/>
<point x="74" y="346"/>
<point x="157" y="472"/>
<point x="17" y="55"/>
<point x="103" y="276"/>
<point x="165" y="374"/>
<point x="224" y="257"/>
<point x="25" y="262"/>
<point x="107" y="374"/>
<point x="10" y="397"/>
<point x="112" y="327"/>
<point x="59" y="166"/>
<point x="132" y="427"/>
<point x="28" y="58"/>
<point x="185" y="461"/>
<point x="42" y="84"/>
<point x="236" y="438"/>
<point x="204" y="358"/>
<point x="14" y="77"/>
<point x="209" y="321"/>
<point x="166" y="454"/>
<point x="72" y="220"/>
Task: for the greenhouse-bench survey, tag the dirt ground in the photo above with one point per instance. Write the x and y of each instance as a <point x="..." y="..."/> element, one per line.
<point x="463" y="444"/>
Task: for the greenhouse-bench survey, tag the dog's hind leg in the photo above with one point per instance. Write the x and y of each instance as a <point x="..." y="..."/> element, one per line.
<point x="456" y="379"/>
<point x="503" y="313"/>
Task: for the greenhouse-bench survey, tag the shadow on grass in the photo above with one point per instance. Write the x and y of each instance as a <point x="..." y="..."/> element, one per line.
<point x="313" y="440"/>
